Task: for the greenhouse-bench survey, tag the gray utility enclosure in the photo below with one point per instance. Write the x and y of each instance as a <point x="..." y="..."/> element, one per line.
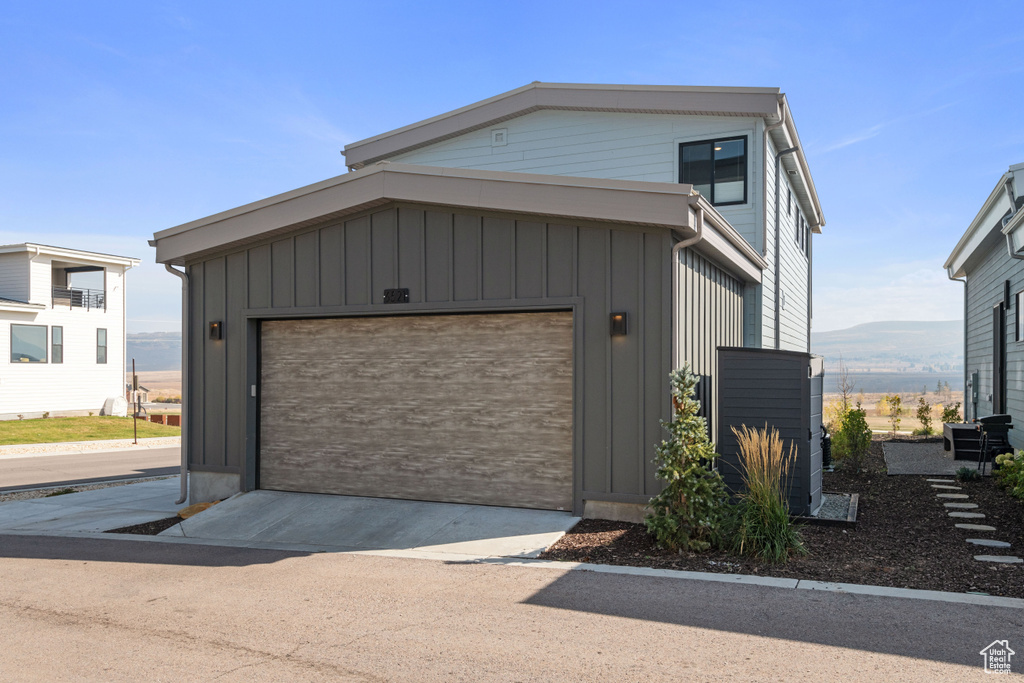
<point x="780" y="389"/>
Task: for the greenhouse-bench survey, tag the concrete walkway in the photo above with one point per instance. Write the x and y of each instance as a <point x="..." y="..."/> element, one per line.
<point x="91" y="511"/>
<point x="343" y="523"/>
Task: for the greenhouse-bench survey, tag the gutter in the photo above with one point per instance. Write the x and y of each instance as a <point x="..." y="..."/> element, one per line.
<point x="1008" y="186"/>
<point x="949" y="274"/>
<point x="676" y="248"/>
<point x="184" y="380"/>
<point x="778" y="165"/>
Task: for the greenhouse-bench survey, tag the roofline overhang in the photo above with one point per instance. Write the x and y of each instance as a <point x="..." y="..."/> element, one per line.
<point x="977" y="232"/>
<point x="20" y="307"/>
<point x="665" y="205"/>
<point x="70" y="254"/>
<point x="766" y="103"/>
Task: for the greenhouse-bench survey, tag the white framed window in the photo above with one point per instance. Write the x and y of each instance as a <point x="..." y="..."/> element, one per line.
<point x="101" y="346"/>
<point x="28" y="343"/>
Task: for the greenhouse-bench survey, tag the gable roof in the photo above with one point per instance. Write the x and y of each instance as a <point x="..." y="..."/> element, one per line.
<point x="767" y="103"/>
<point x="988" y="221"/>
<point x="632" y="202"/>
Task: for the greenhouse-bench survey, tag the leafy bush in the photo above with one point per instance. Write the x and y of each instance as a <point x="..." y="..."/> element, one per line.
<point x="1010" y="473"/>
<point x="924" y="415"/>
<point x="763" y="526"/>
<point x="951" y="412"/>
<point x="893" y="408"/>
<point x="688" y="513"/>
<point x="968" y="474"/>
<point x="853" y="439"/>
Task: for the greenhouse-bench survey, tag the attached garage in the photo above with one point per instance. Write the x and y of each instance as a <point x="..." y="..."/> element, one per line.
<point x="454" y="408"/>
<point x="451" y="335"/>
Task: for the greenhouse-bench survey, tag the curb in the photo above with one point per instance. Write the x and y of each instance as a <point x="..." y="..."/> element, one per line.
<point x="76" y="447"/>
<point x="456" y="558"/>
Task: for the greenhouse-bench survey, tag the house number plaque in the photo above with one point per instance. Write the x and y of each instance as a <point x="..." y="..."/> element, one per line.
<point x="396" y="296"/>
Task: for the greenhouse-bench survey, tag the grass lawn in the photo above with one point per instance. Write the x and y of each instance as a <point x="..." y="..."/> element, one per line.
<point x="59" y="429"/>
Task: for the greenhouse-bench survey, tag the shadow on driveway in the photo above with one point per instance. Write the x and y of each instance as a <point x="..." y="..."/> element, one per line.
<point x="140" y="473"/>
<point x="920" y="629"/>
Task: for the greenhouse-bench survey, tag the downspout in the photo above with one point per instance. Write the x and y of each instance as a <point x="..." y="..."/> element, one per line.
<point x="184" y="380"/>
<point x="949" y="274"/>
<point x="679" y="246"/>
<point x="778" y="166"/>
<point x="764" y="195"/>
<point x="1013" y="212"/>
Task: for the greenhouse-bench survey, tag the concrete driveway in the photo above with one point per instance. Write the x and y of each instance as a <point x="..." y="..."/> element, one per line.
<point x="345" y="523"/>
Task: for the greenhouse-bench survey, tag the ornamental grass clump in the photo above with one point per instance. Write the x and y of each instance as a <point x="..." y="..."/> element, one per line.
<point x="763" y="527"/>
<point x="688" y="513"/>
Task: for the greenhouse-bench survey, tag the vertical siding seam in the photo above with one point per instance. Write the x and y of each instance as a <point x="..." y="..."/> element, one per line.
<point x="423" y="255"/>
<point x="225" y="385"/>
<point x="642" y="360"/>
<point x="513" y="277"/>
<point x="451" y="255"/>
<point x="609" y="434"/>
<point x="545" y="234"/>
<point x="574" y="275"/>
<point x="480" y="259"/>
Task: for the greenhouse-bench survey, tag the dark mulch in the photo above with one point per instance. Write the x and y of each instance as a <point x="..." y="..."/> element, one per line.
<point x="147" y="529"/>
<point x="903" y="538"/>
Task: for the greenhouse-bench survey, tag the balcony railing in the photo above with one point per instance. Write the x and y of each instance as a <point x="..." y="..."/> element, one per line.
<point x="79" y="298"/>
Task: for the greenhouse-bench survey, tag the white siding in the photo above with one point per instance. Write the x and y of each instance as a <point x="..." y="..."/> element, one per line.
<point x="604" y="145"/>
<point x="79" y="383"/>
<point x="14" y="276"/>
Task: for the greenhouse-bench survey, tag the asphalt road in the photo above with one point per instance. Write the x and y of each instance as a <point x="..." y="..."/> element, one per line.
<point x="85" y="609"/>
<point x="87" y="467"/>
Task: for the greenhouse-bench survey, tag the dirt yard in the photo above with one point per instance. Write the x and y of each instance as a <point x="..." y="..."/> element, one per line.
<point x="161" y="384"/>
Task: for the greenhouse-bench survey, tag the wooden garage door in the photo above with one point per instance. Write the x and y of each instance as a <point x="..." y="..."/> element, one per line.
<point x="454" y="408"/>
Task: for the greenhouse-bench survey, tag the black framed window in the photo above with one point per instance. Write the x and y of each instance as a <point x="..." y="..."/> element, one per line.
<point x="716" y="168"/>
<point x="28" y="343"/>
<point x="807" y="239"/>
<point x="789" y="201"/>
<point x="56" y="344"/>
<point x="101" y="345"/>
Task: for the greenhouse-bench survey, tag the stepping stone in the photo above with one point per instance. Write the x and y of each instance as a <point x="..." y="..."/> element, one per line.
<point x="958" y="496"/>
<point x="942" y="481"/>
<point x="1001" y="559"/>
<point x="974" y="527"/>
<point x="949" y="488"/>
<point x="988" y="542"/>
<point x="967" y="515"/>
<point x="962" y="506"/>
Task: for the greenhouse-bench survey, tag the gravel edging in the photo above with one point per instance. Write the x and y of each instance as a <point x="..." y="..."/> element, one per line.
<point x="70" y="447"/>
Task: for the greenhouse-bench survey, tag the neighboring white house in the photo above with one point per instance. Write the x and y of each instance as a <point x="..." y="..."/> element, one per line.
<point x="62" y="331"/>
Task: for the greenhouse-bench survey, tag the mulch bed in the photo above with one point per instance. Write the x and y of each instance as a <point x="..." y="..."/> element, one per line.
<point x="903" y="538"/>
<point x="147" y="529"/>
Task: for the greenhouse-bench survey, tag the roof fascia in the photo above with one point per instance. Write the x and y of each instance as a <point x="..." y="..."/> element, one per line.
<point x="976" y="232"/>
<point x="589" y="199"/>
<point x="69" y="254"/>
<point x="649" y="99"/>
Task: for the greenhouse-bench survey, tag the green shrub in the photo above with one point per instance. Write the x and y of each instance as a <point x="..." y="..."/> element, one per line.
<point x="688" y="513"/>
<point x="951" y="412"/>
<point x="851" y="443"/>
<point x="968" y="474"/>
<point x="763" y="527"/>
<point x="924" y="416"/>
<point x="1010" y="474"/>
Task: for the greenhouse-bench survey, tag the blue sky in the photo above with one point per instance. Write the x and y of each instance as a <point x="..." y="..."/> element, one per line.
<point x="118" y="119"/>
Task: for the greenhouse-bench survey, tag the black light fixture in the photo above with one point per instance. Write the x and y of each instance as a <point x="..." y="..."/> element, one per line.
<point x="619" y="324"/>
<point x="216" y="330"/>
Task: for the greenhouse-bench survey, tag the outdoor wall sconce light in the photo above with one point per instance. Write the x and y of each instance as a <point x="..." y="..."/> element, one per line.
<point x="216" y="330"/>
<point x="619" y="324"/>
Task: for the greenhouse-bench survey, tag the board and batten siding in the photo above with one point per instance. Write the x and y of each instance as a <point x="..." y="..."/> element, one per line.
<point x="454" y="261"/>
<point x="986" y="276"/>
<point x="709" y="310"/>
<point x="605" y="145"/>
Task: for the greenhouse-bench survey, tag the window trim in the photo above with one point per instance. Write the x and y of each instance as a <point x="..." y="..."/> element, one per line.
<point x="103" y="346"/>
<point x="46" y="346"/>
<point x="54" y="345"/>
<point x="1018" y="302"/>
<point x="711" y="141"/>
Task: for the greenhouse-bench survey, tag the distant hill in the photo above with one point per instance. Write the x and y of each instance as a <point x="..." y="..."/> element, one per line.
<point x="901" y="356"/>
<point x="154" y="351"/>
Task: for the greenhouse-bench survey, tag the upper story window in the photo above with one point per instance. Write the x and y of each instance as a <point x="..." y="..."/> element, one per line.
<point x="716" y="168"/>
<point x="101" y="345"/>
<point x="76" y="286"/>
<point x="28" y="343"/>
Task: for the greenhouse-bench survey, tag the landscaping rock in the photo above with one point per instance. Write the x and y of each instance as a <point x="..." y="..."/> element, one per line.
<point x="1001" y="559"/>
<point x="959" y="496"/>
<point x="973" y="527"/>
<point x="943" y="486"/>
<point x="967" y="515"/>
<point x="961" y="506"/>
<point x="942" y="481"/>
<point x="988" y="542"/>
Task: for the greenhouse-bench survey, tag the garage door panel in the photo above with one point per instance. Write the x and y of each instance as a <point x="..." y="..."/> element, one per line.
<point x="469" y="408"/>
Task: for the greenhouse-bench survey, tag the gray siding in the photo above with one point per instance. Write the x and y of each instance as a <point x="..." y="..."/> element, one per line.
<point x="454" y="261"/>
<point x="985" y="277"/>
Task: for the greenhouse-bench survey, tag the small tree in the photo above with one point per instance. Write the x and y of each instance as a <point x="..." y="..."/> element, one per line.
<point x="893" y="408"/>
<point x="924" y="415"/>
<point x="688" y="513"/>
<point x="853" y="439"/>
<point x="951" y="412"/>
<point x="846" y="386"/>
